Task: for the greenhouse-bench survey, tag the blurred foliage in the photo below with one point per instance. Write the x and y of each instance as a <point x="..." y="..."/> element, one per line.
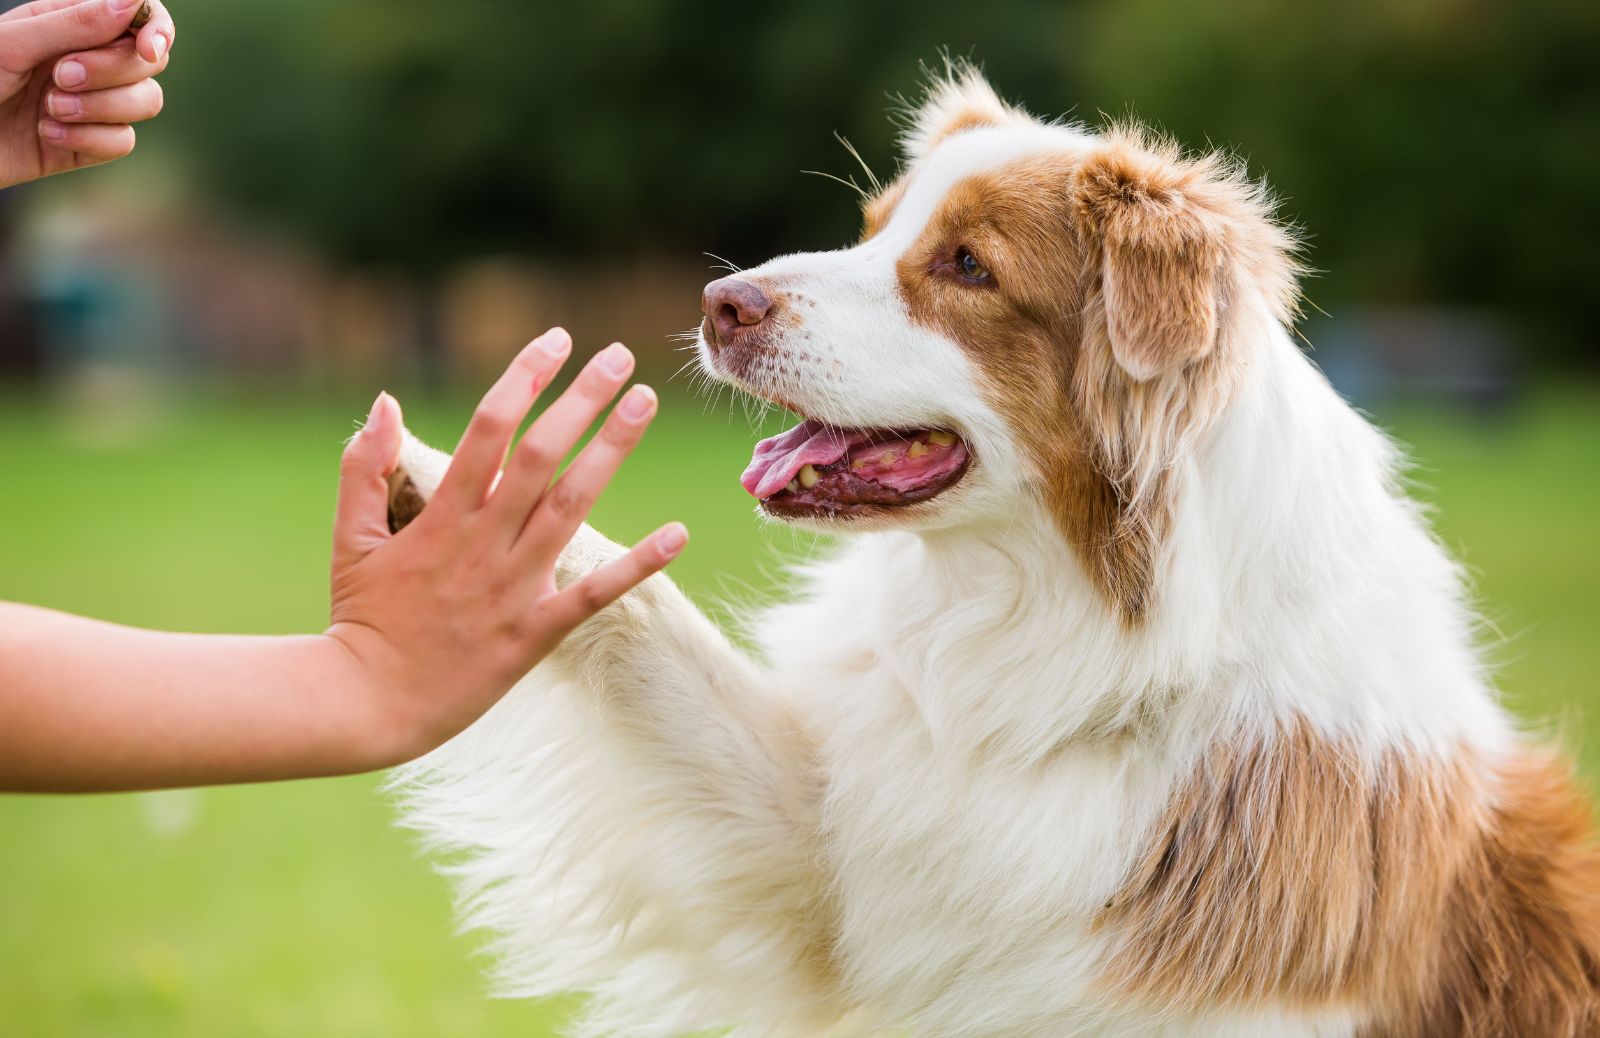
<point x="1439" y="151"/>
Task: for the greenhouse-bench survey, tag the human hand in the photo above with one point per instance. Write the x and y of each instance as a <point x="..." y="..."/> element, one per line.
<point x="71" y="84"/>
<point x="445" y="616"/>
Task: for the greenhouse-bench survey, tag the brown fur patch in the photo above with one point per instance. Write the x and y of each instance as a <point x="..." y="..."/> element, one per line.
<point x="1160" y="264"/>
<point x="1025" y="331"/>
<point x="971" y="117"/>
<point x="1520" y="939"/>
<point x="876" y="210"/>
<point x="1445" y="898"/>
<point x="1178" y="238"/>
<point x="405" y="502"/>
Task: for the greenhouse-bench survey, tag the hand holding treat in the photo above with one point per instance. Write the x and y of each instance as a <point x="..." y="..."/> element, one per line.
<point x="75" y="75"/>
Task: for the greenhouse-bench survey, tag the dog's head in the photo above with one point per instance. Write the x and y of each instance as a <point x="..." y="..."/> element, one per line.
<point x="1034" y="315"/>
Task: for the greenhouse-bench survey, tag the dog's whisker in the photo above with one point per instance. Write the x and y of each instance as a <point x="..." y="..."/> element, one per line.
<point x="872" y="178"/>
<point x="861" y="192"/>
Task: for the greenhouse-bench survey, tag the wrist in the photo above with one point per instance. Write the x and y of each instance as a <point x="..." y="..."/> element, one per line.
<point x="378" y="731"/>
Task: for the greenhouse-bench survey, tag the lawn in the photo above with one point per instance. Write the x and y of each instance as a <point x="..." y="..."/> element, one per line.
<point x="296" y="909"/>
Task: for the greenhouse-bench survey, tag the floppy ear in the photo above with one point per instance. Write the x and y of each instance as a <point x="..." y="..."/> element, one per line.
<point x="414" y="480"/>
<point x="1161" y="253"/>
<point x="958" y="99"/>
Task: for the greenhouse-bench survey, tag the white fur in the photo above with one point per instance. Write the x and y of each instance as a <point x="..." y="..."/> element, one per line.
<point x="902" y="817"/>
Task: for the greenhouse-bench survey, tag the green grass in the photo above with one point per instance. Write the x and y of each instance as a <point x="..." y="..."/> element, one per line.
<point x="297" y="909"/>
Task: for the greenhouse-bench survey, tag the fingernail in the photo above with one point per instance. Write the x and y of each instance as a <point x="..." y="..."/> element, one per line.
<point x="71" y="73"/>
<point x="59" y="105"/>
<point x="554" y="343"/>
<point x="52" y="131"/>
<point x="671" y="540"/>
<point x="636" y="403"/>
<point x="616" y="359"/>
<point x="122" y="6"/>
<point x="159" y="45"/>
<point x="376" y="412"/>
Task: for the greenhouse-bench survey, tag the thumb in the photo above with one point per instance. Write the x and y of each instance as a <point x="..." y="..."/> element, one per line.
<point x="26" y="43"/>
<point x="361" y="520"/>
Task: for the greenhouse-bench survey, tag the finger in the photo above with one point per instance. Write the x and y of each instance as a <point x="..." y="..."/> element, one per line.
<point x="581" y="600"/>
<point x="361" y="519"/>
<point x="89" y="142"/>
<point x="554" y="434"/>
<point x="133" y="103"/>
<point x="563" y="508"/>
<point x="28" y="10"/>
<point x="104" y="67"/>
<point x="28" y="42"/>
<point x="155" y="39"/>
<point x="483" y="446"/>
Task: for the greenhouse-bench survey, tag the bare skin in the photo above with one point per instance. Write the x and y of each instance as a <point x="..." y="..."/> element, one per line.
<point x="72" y="84"/>
<point x="429" y="627"/>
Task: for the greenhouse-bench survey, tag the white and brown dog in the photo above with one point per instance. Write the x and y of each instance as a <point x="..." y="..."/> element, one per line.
<point x="1139" y="700"/>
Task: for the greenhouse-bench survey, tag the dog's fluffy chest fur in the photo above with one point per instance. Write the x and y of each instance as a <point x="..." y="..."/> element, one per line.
<point x="935" y="856"/>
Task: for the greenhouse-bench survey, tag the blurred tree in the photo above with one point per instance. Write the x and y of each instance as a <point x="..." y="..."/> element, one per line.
<point x="1438" y="150"/>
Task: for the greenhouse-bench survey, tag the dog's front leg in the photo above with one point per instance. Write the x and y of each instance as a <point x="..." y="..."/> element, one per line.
<point x="639" y="817"/>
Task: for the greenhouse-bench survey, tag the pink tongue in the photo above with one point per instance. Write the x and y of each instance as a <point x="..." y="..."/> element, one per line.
<point x="780" y="458"/>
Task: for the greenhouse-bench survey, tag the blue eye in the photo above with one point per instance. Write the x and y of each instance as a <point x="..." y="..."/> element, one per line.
<point x="969" y="266"/>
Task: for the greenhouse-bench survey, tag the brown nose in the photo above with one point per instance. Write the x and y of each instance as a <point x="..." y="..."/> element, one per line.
<point x="733" y="307"/>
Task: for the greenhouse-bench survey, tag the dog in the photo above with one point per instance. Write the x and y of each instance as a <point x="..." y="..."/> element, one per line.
<point x="1138" y="698"/>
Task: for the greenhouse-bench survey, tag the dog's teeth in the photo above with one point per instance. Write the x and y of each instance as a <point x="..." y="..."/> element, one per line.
<point x="857" y="464"/>
<point x="942" y="438"/>
<point x="793" y="487"/>
<point x="808" y="476"/>
<point x="917" y="449"/>
<point x="886" y="458"/>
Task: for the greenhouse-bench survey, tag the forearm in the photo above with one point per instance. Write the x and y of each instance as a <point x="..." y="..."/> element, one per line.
<point x="91" y="706"/>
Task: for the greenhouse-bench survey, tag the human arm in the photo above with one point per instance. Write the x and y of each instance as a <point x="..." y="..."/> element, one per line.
<point x="429" y="627"/>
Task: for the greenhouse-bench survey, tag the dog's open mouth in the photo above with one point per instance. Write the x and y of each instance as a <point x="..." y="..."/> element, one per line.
<point x="818" y="470"/>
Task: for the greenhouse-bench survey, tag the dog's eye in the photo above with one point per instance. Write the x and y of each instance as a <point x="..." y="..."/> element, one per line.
<point x="969" y="266"/>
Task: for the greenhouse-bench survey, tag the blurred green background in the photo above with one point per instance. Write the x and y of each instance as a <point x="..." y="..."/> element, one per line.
<point x="386" y="193"/>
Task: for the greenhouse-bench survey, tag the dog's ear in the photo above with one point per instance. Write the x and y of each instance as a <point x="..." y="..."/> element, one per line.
<point x="956" y="100"/>
<point x="1160" y="225"/>
<point x="414" y="480"/>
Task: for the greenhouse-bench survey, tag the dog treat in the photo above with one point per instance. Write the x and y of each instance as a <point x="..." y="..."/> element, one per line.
<point x="141" y="18"/>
